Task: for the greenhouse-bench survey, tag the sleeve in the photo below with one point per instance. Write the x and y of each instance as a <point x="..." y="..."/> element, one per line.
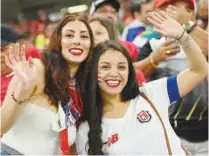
<point x="157" y="92"/>
<point x="82" y="139"/>
<point x="162" y="91"/>
<point x="145" y="51"/>
<point x="173" y="90"/>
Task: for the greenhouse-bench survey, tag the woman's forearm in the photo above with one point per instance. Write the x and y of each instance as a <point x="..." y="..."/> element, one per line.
<point x="9" y="113"/>
<point x="145" y="66"/>
<point x="196" y="60"/>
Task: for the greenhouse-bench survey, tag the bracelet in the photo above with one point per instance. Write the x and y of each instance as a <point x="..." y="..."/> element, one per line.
<point x="17" y="101"/>
<point x="152" y="62"/>
<point x="184" y="43"/>
<point x="181" y="35"/>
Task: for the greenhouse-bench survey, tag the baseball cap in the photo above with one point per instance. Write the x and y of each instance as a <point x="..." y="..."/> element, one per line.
<point x="158" y="3"/>
<point x="9" y="35"/>
<point x="98" y="3"/>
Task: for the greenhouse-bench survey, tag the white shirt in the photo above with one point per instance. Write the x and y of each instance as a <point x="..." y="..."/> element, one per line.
<point x="37" y="131"/>
<point x="139" y="131"/>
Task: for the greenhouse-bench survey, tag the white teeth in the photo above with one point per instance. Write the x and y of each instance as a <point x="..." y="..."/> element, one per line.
<point x="75" y="51"/>
<point x="113" y="82"/>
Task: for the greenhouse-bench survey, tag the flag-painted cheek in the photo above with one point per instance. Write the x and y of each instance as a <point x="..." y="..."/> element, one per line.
<point x="100" y="77"/>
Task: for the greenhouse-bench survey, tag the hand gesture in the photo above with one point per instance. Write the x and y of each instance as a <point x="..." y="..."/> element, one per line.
<point x="24" y="70"/>
<point x="165" y="25"/>
<point x="167" y="49"/>
<point x="180" y="14"/>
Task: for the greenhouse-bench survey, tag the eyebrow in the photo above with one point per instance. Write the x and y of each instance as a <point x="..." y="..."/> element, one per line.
<point x="109" y="63"/>
<point x="82" y="31"/>
<point x="122" y="63"/>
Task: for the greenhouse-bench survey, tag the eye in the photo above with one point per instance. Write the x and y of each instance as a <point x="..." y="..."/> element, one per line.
<point x="69" y="35"/>
<point x="99" y="33"/>
<point x="122" y="67"/>
<point x="84" y="36"/>
<point x="105" y="67"/>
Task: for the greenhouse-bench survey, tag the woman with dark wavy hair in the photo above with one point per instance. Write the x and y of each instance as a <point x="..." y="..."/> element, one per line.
<point x="43" y="102"/>
<point x="124" y="120"/>
<point x="103" y="30"/>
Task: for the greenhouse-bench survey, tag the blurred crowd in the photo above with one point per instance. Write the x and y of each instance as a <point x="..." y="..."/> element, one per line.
<point x="153" y="55"/>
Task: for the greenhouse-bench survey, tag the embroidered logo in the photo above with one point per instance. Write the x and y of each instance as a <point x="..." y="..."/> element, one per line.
<point x="144" y="116"/>
<point x="113" y="139"/>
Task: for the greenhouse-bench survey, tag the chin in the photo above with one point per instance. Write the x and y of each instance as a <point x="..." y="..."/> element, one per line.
<point x="113" y="92"/>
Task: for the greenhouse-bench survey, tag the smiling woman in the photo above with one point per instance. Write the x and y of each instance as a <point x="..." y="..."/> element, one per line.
<point x="119" y="117"/>
<point x="44" y="93"/>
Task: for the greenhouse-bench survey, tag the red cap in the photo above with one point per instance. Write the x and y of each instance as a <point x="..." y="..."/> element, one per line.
<point x="159" y="3"/>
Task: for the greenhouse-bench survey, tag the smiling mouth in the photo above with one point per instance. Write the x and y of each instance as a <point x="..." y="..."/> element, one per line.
<point x="76" y="52"/>
<point x="112" y="83"/>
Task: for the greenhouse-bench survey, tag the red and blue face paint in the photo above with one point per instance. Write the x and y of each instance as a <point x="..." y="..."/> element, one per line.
<point x="100" y="77"/>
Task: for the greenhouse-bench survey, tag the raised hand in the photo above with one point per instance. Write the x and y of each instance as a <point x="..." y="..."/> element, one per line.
<point x="24" y="70"/>
<point x="165" y="25"/>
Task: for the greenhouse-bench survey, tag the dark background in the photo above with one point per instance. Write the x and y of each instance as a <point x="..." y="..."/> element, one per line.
<point x="14" y="9"/>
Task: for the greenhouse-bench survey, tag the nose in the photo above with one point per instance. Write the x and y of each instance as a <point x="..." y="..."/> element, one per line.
<point x="114" y="72"/>
<point x="76" y="40"/>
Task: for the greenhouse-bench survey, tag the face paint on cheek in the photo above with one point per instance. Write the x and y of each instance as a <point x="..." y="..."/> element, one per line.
<point x="100" y="77"/>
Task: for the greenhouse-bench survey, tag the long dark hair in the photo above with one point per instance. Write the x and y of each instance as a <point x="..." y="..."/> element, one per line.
<point x="57" y="75"/>
<point x="93" y="102"/>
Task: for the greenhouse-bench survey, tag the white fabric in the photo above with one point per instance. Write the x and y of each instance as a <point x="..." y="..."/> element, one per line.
<point x="134" y="24"/>
<point x="134" y="137"/>
<point x="34" y="132"/>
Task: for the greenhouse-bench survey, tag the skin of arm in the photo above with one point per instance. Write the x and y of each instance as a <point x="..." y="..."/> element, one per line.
<point x="145" y="66"/>
<point x="198" y="67"/>
<point x="10" y="109"/>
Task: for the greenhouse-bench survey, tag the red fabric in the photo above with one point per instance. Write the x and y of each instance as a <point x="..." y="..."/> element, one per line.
<point x="64" y="141"/>
<point x="140" y="77"/>
<point x="158" y="3"/>
<point x="132" y="49"/>
<point x="76" y="98"/>
<point x="76" y="109"/>
<point x="32" y="52"/>
<point x="4" y="86"/>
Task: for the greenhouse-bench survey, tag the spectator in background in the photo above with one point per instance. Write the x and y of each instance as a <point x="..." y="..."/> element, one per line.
<point x="109" y="9"/>
<point x="162" y="57"/>
<point x="8" y="37"/>
<point x="140" y="24"/>
<point x="104" y="30"/>
<point x="125" y="12"/>
<point x="202" y="13"/>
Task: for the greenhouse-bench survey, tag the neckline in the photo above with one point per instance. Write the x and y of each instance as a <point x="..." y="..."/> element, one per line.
<point x="118" y="120"/>
<point x="37" y="106"/>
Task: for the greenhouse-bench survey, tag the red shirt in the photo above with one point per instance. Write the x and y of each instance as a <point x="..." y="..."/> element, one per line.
<point x="5" y="80"/>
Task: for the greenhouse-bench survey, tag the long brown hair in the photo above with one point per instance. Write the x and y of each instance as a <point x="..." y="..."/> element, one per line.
<point x="57" y="75"/>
